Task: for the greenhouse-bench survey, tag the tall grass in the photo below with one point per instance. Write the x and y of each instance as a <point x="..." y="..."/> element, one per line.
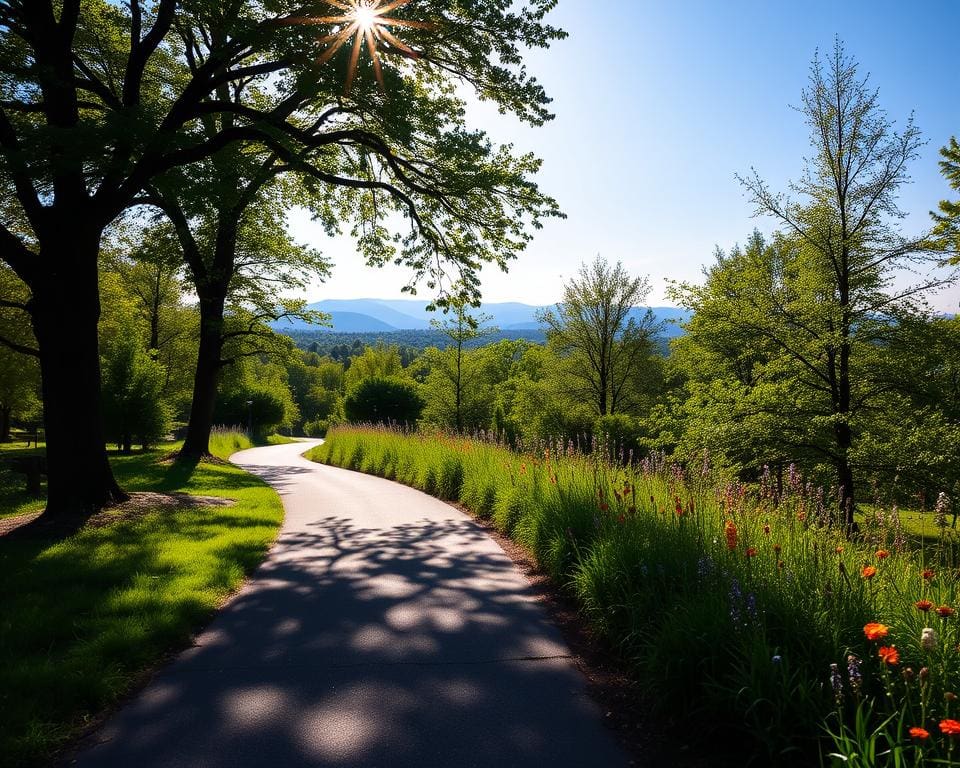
<point x="731" y="603"/>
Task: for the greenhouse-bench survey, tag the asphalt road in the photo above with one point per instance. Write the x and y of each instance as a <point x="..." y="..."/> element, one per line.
<point x="384" y="629"/>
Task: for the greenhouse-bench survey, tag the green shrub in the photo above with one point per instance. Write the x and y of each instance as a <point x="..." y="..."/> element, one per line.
<point x="383" y="400"/>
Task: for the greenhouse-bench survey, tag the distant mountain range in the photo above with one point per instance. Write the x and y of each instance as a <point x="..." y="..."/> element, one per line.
<point x="386" y="315"/>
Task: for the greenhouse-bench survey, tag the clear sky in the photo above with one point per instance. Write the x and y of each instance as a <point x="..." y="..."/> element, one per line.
<point x="659" y="103"/>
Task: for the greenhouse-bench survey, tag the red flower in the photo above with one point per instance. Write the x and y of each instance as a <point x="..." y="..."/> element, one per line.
<point x="875" y="630"/>
<point x="923" y="605"/>
<point x="604" y="507"/>
<point x="920" y="734"/>
<point x="766" y="529"/>
<point x="751" y="551"/>
<point x="730" y="531"/>
<point x="882" y="554"/>
<point x="839" y="550"/>
<point x="889" y="655"/>
<point x="868" y="572"/>
<point x="945" y="611"/>
<point x="928" y="574"/>
<point x="950" y="727"/>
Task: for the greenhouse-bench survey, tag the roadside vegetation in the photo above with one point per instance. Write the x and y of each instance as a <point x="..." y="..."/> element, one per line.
<point x="744" y="609"/>
<point x="85" y="617"/>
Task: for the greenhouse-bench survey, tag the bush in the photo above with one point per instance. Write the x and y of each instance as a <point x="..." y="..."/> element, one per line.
<point x="267" y="408"/>
<point x="383" y="400"/>
<point x="133" y="407"/>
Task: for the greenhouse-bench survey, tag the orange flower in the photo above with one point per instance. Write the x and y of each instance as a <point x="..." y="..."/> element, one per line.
<point x="868" y="572"/>
<point x="889" y="655"/>
<point x="945" y="611"/>
<point x="839" y="550"/>
<point x="730" y="531"/>
<point x="751" y="551"/>
<point x="882" y="554"/>
<point x="928" y="574"/>
<point x="876" y="631"/>
<point x="950" y="727"/>
<point x="923" y="605"/>
<point x="920" y="734"/>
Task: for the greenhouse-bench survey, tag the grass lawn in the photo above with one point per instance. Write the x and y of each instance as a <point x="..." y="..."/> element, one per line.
<point x="83" y="618"/>
<point x="14" y="499"/>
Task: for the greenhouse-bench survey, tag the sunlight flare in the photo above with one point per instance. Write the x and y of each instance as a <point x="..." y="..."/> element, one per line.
<point x="366" y="23"/>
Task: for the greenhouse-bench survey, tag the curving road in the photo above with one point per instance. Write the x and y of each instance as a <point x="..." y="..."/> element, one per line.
<point x="384" y="629"/>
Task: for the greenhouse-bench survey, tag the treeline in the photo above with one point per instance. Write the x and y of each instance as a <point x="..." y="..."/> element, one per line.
<point x="339" y="345"/>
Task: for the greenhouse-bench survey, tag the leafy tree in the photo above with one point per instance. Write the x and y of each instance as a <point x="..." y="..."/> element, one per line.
<point x="825" y="314"/>
<point x="460" y="328"/>
<point x="948" y="219"/>
<point x="19" y="373"/>
<point x="133" y="406"/>
<point x="381" y="399"/>
<point x="380" y="361"/>
<point x="595" y="329"/>
<point x="98" y="100"/>
<point x="255" y="392"/>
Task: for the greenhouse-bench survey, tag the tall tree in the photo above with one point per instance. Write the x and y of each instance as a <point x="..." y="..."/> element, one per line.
<point x="461" y="328"/>
<point x="846" y="227"/>
<point x="948" y="218"/>
<point x="98" y="100"/>
<point x="597" y="328"/>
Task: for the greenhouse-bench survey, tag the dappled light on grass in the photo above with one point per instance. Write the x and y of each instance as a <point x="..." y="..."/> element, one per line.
<point x="84" y="616"/>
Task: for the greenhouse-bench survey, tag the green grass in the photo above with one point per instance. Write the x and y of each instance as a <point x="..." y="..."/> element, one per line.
<point x="83" y="618"/>
<point x="14" y="499"/>
<point x="729" y="602"/>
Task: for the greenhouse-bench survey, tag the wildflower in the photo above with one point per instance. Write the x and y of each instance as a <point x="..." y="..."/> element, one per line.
<point x="868" y="572"/>
<point x="928" y="574"/>
<point x="751" y="551"/>
<point x="853" y="674"/>
<point x="780" y="564"/>
<point x="604" y="507"/>
<point x="766" y="529"/>
<point x="908" y="675"/>
<point x="945" y="611"/>
<point x="924" y="674"/>
<point x="836" y="682"/>
<point x="730" y="531"/>
<point x="889" y="655"/>
<point x="777" y="659"/>
<point x="801" y="516"/>
<point x="928" y="639"/>
<point x="950" y="727"/>
<point x="875" y="630"/>
<point x="882" y="554"/>
<point x="839" y="550"/>
<point x="920" y="734"/>
<point x="923" y="605"/>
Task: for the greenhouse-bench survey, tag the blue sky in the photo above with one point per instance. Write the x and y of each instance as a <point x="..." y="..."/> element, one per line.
<point x="658" y="105"/>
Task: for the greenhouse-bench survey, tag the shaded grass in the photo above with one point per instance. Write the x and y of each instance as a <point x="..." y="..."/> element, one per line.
<point x="14" y="499"/>
<point x="729" y="602"/>
<point x="84" y="617"/>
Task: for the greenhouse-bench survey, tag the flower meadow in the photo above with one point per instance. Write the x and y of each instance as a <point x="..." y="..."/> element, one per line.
<point x="744" y="610"/>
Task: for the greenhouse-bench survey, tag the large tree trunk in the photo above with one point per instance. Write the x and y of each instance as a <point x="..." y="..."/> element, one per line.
<point x="66" y="310"/>
<point x="206" y="378"/>
<point x="5" y="425"/>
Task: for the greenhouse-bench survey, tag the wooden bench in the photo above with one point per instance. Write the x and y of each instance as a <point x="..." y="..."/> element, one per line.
<point x="32" y="467"/>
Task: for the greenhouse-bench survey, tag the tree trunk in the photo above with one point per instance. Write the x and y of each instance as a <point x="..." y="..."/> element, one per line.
<point x="66" y="310"/>
<point x="5" y="425"/>
<point x="197" y="443"/>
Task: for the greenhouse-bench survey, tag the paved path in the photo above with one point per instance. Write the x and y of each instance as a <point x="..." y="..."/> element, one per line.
<point x="384" y="629"/>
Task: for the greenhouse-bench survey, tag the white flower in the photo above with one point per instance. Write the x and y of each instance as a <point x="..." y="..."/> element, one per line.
<point x="928" y="639"/>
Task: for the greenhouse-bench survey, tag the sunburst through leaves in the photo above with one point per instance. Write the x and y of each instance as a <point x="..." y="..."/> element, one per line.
<point x="367" y="23"/>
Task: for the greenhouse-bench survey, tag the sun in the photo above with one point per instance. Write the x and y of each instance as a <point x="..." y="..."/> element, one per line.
<point x="365" y="22"/>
